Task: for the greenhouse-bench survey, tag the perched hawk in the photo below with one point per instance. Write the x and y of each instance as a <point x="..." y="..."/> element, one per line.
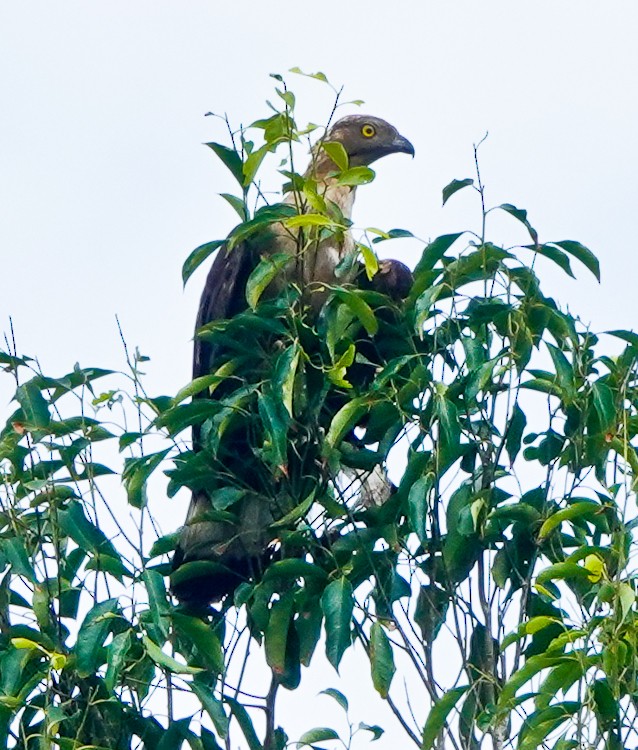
<point x="227" y="553"/>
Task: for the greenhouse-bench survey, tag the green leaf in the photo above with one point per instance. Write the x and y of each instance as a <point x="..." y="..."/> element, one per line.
<point x="165" y="661"/>
<point x="603" y="399"/>
<point x="245" y="724"/>
<point x="238" y="205"/>
<point x="627" y="597"/>
<point x="337" y="696"/>
<point x="213" y="707"/>
<point x="438" y="716"/>
<point x="361" y="309"/>
<point x="136" y="474"/>
<point x="629" y="336"/>
<point x="418" y="508"/>
<point x="346" y="419"/>
<point x="454" y="187"/>
<point x="424" y="303"/>
<point x="431" y="608"/>
<point x="268" y="269"/>
<point x="337" y="603"/>
<point x="376" y="730"/>
<point x="532" y="666"/>
<point x="319" y="76"/>
<point x="277" y="632"/>
<point x="541" y="723"/>
<point x="370" y="260"/>
<point x="75" y="523"/>
<point x="563" y="570"/>
<point x="520" y="215"/>
<point x="381" y="659"/>
<point x="308" y="626"/>
<point x="544" y="386"/>
<point x="581" y="253"/>
<point x="435" y="251"/>
<point x="93" y="632"/>
<point x="276" y="421"/>
<point x="284" y="375"/>
<point x="356" y="176"/>
<point x="34" y="405"/>
<point x="564" y="371"/>
<point x="231" y="159"/>
<point x="318" y="734"/>
<point x="197" y="257"/>
<point x="515" y="430"/>
<point x="449" y="428"/>
<point x="337" y="153"/>
<point x="259" y="225"/>
<point x="253" y="163"/>
<point x="577" y="510"/>
<point x="117" y="652"/>
<point x="555" y="255"/>
<point x="16" y="554"/>
<point x="310" y="220"/>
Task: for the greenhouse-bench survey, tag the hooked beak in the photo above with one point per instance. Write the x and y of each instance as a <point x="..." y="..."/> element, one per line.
<point x="402" y="145"/>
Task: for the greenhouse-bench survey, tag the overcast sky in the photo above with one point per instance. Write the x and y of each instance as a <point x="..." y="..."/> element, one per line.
<point x="105" y="186"/>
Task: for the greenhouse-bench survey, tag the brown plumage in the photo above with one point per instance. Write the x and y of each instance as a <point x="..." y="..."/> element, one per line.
<point x="228" y="553"/>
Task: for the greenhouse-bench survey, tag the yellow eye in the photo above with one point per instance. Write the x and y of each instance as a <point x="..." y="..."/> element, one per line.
<point x="367" y="131"/>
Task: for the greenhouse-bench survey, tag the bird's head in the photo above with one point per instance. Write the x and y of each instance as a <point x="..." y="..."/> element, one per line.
<point x="366" y="139"/>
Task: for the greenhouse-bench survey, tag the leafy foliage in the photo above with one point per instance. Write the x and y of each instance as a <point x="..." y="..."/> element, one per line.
<point x="499" y="560"/>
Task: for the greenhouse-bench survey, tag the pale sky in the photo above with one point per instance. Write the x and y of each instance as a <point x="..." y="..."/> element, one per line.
<point x="105" y="187"/>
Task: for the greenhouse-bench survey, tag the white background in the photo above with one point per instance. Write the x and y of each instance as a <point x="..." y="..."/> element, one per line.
<point x="105" y="186"/>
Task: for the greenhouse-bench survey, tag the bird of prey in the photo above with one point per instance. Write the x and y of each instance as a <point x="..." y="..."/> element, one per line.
<point x="226" y="553"/>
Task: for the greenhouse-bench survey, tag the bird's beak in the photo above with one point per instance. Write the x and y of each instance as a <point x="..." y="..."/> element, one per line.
<point x="402" y="145"/>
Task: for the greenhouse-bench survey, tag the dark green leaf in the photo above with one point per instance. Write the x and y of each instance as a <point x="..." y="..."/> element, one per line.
<point x="238" y="204"/>
<point x="381" y="659"/>
<point x="231" y="159"/>
<point x="555" y="255"/>
<point x="431" y="608"/>
<point x="34" y="405"/>
<point x="213" y="707"/>
<point x="197" y="257"/>
<point x="581" y="253"/>
<point x="515" y="430"/>
<point x="94" y="630"/>
<point x="521" y="215"/>
<point x="245" y="723"/>
<point x="454" y="187"/>
<point x="136" y="474"/>
<point x="337" y="604"/>
<point x="337" y="696"/>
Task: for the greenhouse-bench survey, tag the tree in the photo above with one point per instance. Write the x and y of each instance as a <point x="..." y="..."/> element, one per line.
<point x="496" y="577"/>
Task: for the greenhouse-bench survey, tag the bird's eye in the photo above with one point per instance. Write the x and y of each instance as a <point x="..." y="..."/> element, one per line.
<point x="367" y="131"/>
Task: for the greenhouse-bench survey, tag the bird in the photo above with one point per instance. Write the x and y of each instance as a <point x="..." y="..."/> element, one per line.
<point x="213" y="555"/>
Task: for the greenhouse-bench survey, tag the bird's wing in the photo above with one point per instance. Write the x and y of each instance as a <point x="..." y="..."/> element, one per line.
<point x="223" y="297"/>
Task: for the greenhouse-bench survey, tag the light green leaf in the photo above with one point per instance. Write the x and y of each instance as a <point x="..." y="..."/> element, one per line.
<point x="577" y="510"/>
<point x="268" y="269"/>
<point x="165" y="661"/>
<point x="438" y="716"/>
<point x="337" y="153"/>
<point x="310" y="220"/>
